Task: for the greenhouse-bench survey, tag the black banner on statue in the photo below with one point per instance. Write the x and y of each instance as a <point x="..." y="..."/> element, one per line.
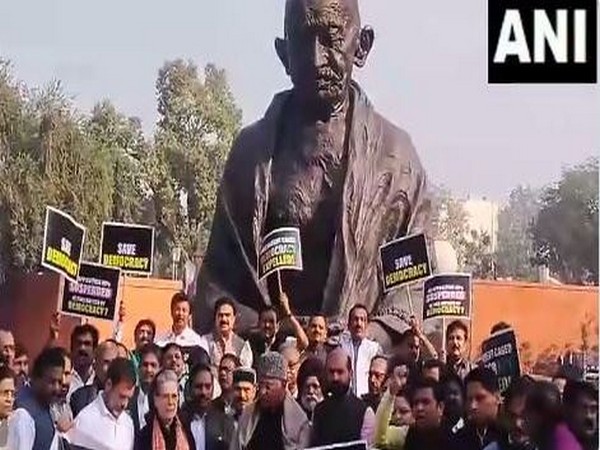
<point x="127" y="246"/>
<point x="280" y="250"/>
<point x="404" y="261"/>
<point x="63" y="243"/>
<point x="355" y="445"/>
<point x="447" y="295"/>
<point x="95" y="293"/>
<point x="501" y="354"/>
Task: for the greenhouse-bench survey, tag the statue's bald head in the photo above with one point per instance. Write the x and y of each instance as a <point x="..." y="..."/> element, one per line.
<point x="321" y="10"/>
<point x="323" y="41"/>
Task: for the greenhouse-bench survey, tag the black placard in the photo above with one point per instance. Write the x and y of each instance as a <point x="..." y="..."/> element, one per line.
<point x="127" y="246"/>
<point x="280" y="250"/>
<point x="447" y="295"/>
<point x="519" y="33"/>
<point x="501" y="354"/>
<point x="404" y="261"/>
<point x="355" y="445"/>
<point x="94" y="294"/>
<point x="63" y="243"/>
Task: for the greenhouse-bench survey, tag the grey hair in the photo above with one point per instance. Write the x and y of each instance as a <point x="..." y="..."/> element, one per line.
<point x="164" y="376"/>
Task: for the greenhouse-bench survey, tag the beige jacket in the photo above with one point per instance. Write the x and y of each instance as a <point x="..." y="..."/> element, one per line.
<point x="295" y="426"/>
<point x="3" y="434"/>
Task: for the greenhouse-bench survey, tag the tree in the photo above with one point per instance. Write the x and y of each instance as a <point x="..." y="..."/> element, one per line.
<point x="198" y="120"/>
<point x="515" y="252"/>
<point x="450" y="222"/>
<point x="48" y="160"/>
<point x="123" y="140"/>
<point x="449" y="219"/>
<point x="91" y="167"/>
<point x="566" y="231"/>
<point x="477" y="257"/>
<point x="101" y="167"/>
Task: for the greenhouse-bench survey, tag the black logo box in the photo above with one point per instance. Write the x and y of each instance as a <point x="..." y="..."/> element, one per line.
<point x="513" y="71"/>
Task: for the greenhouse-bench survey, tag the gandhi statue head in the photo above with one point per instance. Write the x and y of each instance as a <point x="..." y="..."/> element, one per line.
<point x="323" y="41"/>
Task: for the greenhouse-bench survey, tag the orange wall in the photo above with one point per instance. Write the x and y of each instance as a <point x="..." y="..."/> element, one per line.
<point x="144" y="299"/>
<point x="543" y="315"/>
<point x="26" y="306"/>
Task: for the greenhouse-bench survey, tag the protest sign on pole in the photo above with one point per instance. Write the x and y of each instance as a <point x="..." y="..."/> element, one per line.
<point x="500" y="353"/>
<point x="127" y="246"/>
<point x="95" y="293"/>
<point x="354" y="445"/>
<point x="63" y="243"/>
<point x="404" y="261"/>
<point x="280" y="250"/>
<point x="447" y="295"/>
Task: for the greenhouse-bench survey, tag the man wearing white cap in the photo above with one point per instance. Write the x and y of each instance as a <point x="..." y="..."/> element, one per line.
<point x="276" y="421"/>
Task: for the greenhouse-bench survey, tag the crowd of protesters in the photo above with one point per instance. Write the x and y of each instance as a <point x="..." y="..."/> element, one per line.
<point x="284" y="386"/>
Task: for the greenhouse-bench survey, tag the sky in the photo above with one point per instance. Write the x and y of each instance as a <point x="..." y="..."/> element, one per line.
<point x="426" y="73"/>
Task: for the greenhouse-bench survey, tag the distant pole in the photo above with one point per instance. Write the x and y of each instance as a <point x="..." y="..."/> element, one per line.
<point x="411" y="308"/>
<point x="443" y="352"/>
<point x="279" y="284"/>
<point x="493" y="241"/>
<point x="176" y="257"/>
<point x="61" y="292"/>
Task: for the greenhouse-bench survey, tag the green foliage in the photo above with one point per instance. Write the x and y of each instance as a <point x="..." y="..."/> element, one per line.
<point x="515" y="253"/>
<point x="450" y="220"/>
<point x="101" y="167"/>
<point x="123" y="141"/>
<point x="566" y="230"/>
<point x="476" y="255"/>
<point x="198" y="120"/>
<point x="450" y="223"/>
<point x="48" y="160"/>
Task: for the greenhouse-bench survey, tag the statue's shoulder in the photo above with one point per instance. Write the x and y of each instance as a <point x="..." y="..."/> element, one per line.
<point x="253" y="145"/>
<point x="250" y="140"/>
<point x="397" y="142"/>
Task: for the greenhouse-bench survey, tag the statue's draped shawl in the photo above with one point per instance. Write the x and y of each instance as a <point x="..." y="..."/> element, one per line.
<point x="384" y="197"/>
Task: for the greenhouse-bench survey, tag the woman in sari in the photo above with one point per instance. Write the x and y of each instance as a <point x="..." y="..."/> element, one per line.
<point x="163" y="430"/>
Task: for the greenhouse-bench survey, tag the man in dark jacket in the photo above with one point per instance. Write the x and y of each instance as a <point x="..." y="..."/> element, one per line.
<point x="105" y="354"/>
<point x="31" y="425"/>
<point x="149" y="366"/>
<point x="358" y="419"/>
<point x="513" y="411"/>
<point x="200" y="419"/>
<point x="482" y="403"/>
<point x="377" y="377"/>
<point x="426" y="399"/>
<point x="581" y="411"/>
<point x="229" y="363"/>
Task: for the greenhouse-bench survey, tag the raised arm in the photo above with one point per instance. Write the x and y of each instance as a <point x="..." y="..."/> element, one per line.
<point x="299" y="332"/>
<point x="54" y="330"/>
<point x="118" y="326"/>
<point x="386" y="435"/>
<point x="414" y="324"/>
